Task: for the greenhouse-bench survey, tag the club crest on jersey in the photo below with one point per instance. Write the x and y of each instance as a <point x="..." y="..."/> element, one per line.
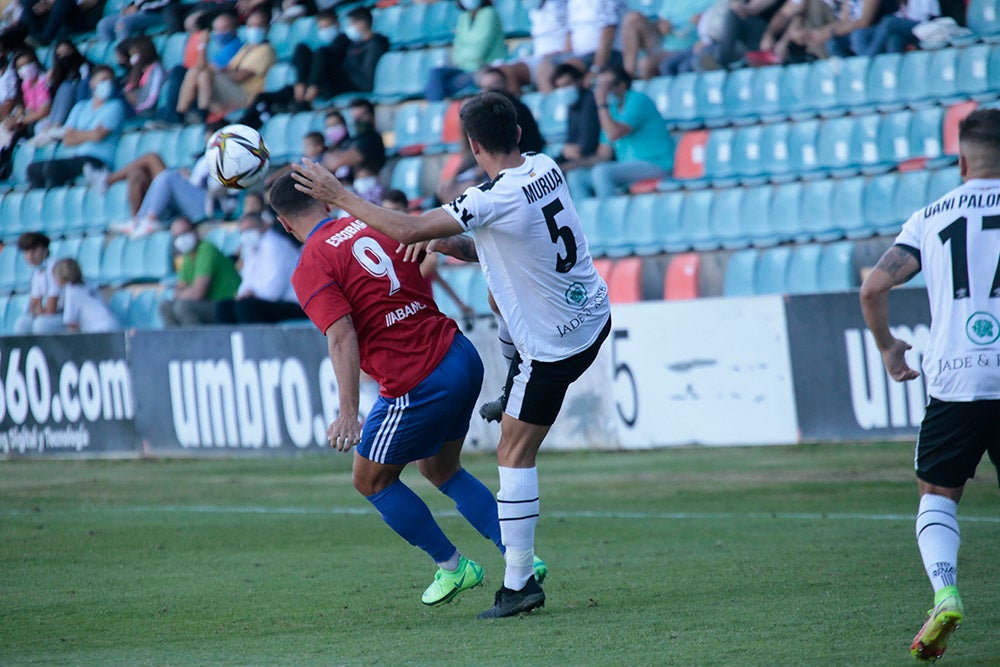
<point x="982" y="328"/>
<point x="576" y="294"/>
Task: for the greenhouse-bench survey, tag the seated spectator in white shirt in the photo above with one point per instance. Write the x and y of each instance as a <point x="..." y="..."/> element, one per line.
<point x="43" y="315"/>
<point x="84" y="311"/>
<point x="265" y="296"/>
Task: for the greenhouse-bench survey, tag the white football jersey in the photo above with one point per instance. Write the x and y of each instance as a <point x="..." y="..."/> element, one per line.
<point x="536" y="259"/>
<point x="958" y="238"/>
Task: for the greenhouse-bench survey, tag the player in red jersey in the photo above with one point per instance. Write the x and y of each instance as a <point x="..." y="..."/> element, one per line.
<point x="379" y="315"/>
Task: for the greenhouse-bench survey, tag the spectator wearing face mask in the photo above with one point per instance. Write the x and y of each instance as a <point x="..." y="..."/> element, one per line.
<point x="34" y="105"/>
<point x="145" y="76"/>
<point x="363" y="155"/>
<point x="68" y="81"/>
<point x="84" y="311"/>
<point x="91" y="134"/>
<point x="494" y="80"/>
<point x="134" y="18"/>
<point x="583" y="127"/>
<point x="204" y="278"/>
<point x="479" y="40"/>
<point x="268" y="259"/>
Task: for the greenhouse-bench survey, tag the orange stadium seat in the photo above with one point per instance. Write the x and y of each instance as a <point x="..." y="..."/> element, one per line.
<point x="689" y="158"/>
<point x="681" y="279"/>
<point x="625" y="285"/>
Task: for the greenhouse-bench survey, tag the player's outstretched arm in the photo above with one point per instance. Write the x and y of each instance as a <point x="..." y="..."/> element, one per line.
<point x="342" y="341"/>
<point x="894" y="268"/>
<point x="314" y="180"/>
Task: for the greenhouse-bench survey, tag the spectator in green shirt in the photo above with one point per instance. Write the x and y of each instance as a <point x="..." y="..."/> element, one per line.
<point x="205" y="276"/>
<point x="479" y="41"/>
<point x="632" y="126"/>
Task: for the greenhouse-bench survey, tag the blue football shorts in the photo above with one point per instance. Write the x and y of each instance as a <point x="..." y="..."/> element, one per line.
<point x="416" y="424"/>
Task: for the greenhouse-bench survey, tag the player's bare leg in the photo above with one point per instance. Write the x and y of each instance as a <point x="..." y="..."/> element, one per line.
<point x="938" y="538"/>
<point x="409" y="516"/>
<point x="517" y="507"/>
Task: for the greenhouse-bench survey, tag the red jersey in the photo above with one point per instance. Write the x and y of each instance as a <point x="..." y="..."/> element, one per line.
<point x="348" y="267"/>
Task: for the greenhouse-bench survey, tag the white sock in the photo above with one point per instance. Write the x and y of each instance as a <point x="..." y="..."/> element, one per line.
<point x="507" y="348"/>
<point x="517" y="507"/>
<point x="938" y="538"/>
<point x="452" y="563"/>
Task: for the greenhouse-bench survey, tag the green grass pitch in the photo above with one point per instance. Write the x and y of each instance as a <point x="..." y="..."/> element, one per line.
<point x="693" y="556"/>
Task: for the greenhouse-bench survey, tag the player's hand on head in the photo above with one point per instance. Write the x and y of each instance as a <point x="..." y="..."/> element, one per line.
<point x="344" y="433"/>
<point x="317" y="181"/>
<point x="895" y="362"/>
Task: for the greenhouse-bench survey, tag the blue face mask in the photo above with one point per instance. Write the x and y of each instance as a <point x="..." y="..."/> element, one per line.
<point x="352" y="33"/>
<point x="103" y="90"/>
<point x="471" y="5"/>
<point x="329" y="33"/>
<point x="255" y="35"/>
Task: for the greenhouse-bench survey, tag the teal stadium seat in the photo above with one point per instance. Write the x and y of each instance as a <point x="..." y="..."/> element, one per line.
<point x="280" y="75"/>
<point x="664" y="227"/>
<point x="159" y="255"/>
<point x="407" y="175"/>
<point x="785" y="213"/>
<point x="172" y="54"/>
<point x="926" y="136"/>
<point x="879" y="201"/>
<point x="803" y="269"/>
<point x="821" y="87"/>
<point x="385" y="21"/>
<point x="555" y="114"/>
<point x="834" y="146"/>
<point x="413" y="28"/>
<point x="439" y="21"/>
<point x="54" y="220"/>
<point x="894" y="137"/>
<point x="116" y="208"/>
<point x="754" y="219"/>
<point x="942" y="182"/>
<point x="776" y="159"/>
<point x="112" y="262"/>
<point x="432" y="127"/>
<point x="738" y="279"/>
<point x="684" y="106"/>
<point x="8" y="271"/>
<point x="643" y="217"/>
<point x="120" y="300"/>
<point x="127" y="149"/>
<point x="802" y="147"/>
<point x="883" y="82"/>
<point x="911" y="193"/>
<point x="67" y="247"/>
<point x="142" y="311"/>
<point x="89" y="257"/>
<point x="134" y="260"/>
<point x="766" y="93"/>
<point x="994" y="69"/>
<point x="719" y="164"/>
<point x="983" y="18"/>
<point x="657" y="89"/>
<point x="836" y="268"/>
<point x="852" y="90"/>
<point x="22" y="273"/>
<point x="710" y="92"/>
<point x="772" y="270"/>
<point x="738" y="96"/>
<point x="190" y="145"/>
<point x="748" y="162"/>
<point x="275" y="132"/>
<point x="93" y="218"/>
<point x="73" y="221"/>
<point x="817" y="212"/>
<point x="407" y="128"/>
<point x="725" y="223"/>
<point x="848" y="209"/>
<point x="31" y="212"/>
<point x="10" y="215"/>
<point x="513" y="17"/>
<point x="279" y="36"/>
<point x="694" y="232"/>
<point x="614" y="227"/>
<point x="974" y="73"/>
<point x="794" y="102"/>
<point x="4" y="301"/>
<point x="943" y="77"/>
<point x="865" y="146"/>
<point x="17" y="306"/>
<point x="299" y="126"/>
<point x="914" y="87"/>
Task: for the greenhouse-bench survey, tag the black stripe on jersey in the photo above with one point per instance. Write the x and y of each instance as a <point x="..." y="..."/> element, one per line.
<point x="910" y="249"/>
<point x="488" y="185"/>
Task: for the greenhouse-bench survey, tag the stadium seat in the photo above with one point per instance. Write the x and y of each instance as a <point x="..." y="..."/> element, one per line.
<point x="785" y="213"/>
<point x="803" y="269"/>
<point x="911" y="194"/>
<point x="159" y="255"/>
<point x="681" y="278"/>
<point x="865" y="147"/>
<point x="836" y="268"/>
<point x="767" y="93"/>
<point x="89" y="257"/>
<point x="112" y="262"/>
<point x="279" y="37"/>
<point x="689" y="157"/>
<point x="748" y="155"/>
<point x="941" y="183"/>
<point x="725" y="223"/>
<point x="16" y="306"/>
<point x="385" y="21"/>
<point x="22" y="273"/>
<point x="613" y="226"/>
<point x="658" y="89"/>
<point x="710" y="94"/>
<point x="719" y="168"/>
<point x="802" y="147"/>
<point x="925" y="135"/>
<point x="683" y="111"/>
<point x="4" y="301"/>
<point x="974" y="73"/>
<point x="555" y="114"/>
<point x="848" y="210"/>
<point x="191" y="144"/>
<point x="65" y="248"/>
<point x="983" y="18"/>
<point x="142" y="311"/>
<point x="31" y="212"/>
<point x="739" y="276"/>
<point x="852" y="90"/>
<point x="119" y="303"/>
<point x="625" y="285"/>
<point x="432" y="127"/>
<point x="10" y="214"/>
<point x="116" y="208"/>
<point x="821" y="87"/>
<point x="642" y="219"/>
<point x="694" y="233"/>
<point x="664" y="224"/>
<point x="776" y="159"/>
<point x="943" y="77"/>
<point x="771" y="271"/>
<point x="133" y="260"/>
<point x="914" y="87"/>
<point x="879" y="201"/>
<point x="8" y="259"/>
<point x="738" y="96"/>
<point x="172" y="53"/>
<point x="894" y="137"/>
<point x="406" y="176"/>
<point x="53" y="218"/>
<point x="817" y="212"/>
<point x="754" y="219"/>
<point x="883" y="82"/>
<point x="407" y="128"/>
<point x="275" y="132"/>
<point x="127" y="148"/>
<point x="280" y="75"/>
<point x="514" y="17"/>
<point x="834" y="146"/>
<point x="794" y="102"/>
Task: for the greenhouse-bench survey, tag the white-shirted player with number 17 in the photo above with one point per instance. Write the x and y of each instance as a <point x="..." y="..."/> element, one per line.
<point x="955" y="241"/>
<point x="532" y="249"/>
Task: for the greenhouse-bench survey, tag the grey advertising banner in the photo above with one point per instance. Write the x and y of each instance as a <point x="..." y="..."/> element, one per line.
<point x="65" y="394"/>
<point x="842" y="391"/>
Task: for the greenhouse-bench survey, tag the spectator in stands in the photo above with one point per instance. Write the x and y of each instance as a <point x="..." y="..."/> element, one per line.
<point x="296" y="9"/>
<point x="594" y="39"/>
<point x="135" y="18"/>
<point x="701" y="56"/>
<point x="744" y="26"/>
<point x="155" y="192"/>
<point x="479" y="40"/>
<point x="91" y="134"/>
<point x="335" y="131"/>
<point x="316" y="70"/>
<point x="145" y="76"/>
<point x="854" y="28"/>
<point x="643" y="148"/>
<point x="204" y="278"/>
<point x="785" y="37"/>
<point x="8" y="100"/>
<point x="493" y="79"/>
<point x="49" y="20"/>
<point x="84" y="311"/>
<point x="583" y="127"/>
<point x="68" y="79"/>
<point x="43" y="315"/>
<point x="548" y="37"/>
<point x="269" y="257"/>
<point x="33" y="106"/>
<point x="363" y="153"/>
<point x="219" y="90"/>
<point x="894" y="33"/>
<point x="313" y="148"/>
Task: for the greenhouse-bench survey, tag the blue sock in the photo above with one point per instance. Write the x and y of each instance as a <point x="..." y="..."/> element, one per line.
<point x="406" y="513"/>
<point x="476" y="503"/>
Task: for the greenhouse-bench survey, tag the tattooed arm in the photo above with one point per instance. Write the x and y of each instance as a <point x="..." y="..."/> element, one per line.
<point x="896" y="266"/>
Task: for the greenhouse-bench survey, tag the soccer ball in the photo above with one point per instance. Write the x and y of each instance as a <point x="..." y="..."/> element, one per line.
<point x="237" y="156"/>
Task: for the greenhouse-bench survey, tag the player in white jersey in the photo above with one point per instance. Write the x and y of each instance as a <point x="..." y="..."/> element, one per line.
<point x="955" y="241"/>
<point x="530" y="243"/>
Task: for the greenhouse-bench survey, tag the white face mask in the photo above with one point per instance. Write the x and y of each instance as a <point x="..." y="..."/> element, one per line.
<point x="250" y="239"/>
<point x="186" y="242"/>
<point x="103" y="90"/>
<point x="133" y="59"/>
<point x="352" y="33"/>
<point x="329" y="33"/>
<point x="470" y="5"/>
<point x="365" y="183"/>
<point x="255" y="35"/>
<point x="28" y="72"/>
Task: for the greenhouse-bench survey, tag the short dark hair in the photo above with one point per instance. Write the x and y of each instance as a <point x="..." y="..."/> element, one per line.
<point x="493" y="70"/>
<point x="328" y="15"/>
<point x="396" y="197"/>
<point x="618" y="72"/>
<point x="315" y="136"/>
<point x="286" y="200"/>
<point x="360" y="14"/>
<point x="97" y="69"/>
<point x="490" y="120"/>
<point x="566" y="69"/>
<point x="360" y="102"/>
<point x="981" y="127"/>
<point x="32" y="240"/>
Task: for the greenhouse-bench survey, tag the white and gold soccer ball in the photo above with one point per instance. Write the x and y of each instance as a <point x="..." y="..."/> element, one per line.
<point x="237" y="156"/>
